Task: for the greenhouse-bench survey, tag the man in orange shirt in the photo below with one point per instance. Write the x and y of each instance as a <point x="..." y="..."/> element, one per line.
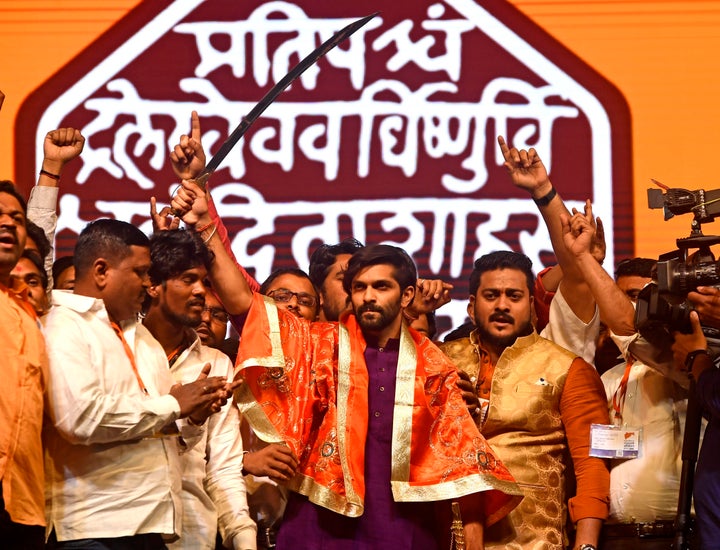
<point x="24" y="369"/>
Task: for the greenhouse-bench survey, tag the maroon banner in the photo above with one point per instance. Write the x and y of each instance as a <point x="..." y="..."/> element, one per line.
<point x="389" y="138"/>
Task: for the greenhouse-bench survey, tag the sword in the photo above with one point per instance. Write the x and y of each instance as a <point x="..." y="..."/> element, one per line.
<point x="272" y="95"/>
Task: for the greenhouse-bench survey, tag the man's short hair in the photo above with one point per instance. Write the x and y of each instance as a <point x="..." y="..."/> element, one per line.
<point x="635" y="267"/>
<point x="60" y="265"/>
<point x="106" y="238"/>
<point x="405" y="272"/>
<point x="501" y="259"/>
<point x="37" y="234"/>
<point x="175" y="251"/>
<point x="283" y="271"/>
<point x="324" y="257"/>
<point x="6" y="186"/>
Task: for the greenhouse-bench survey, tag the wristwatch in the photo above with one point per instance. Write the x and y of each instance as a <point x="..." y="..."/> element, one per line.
<point x="587" y="547"/>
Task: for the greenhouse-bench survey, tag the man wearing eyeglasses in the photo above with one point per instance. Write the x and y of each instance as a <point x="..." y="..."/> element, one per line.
<point x="213" y="322"/>
<point x="213" y="488"/>
<point x="293" y="291"/>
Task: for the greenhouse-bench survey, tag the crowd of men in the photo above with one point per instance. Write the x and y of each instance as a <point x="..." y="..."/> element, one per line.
<point x="332" y="419"/>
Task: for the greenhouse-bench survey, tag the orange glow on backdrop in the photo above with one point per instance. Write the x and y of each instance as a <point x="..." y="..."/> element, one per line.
<point x="661" y="55"/>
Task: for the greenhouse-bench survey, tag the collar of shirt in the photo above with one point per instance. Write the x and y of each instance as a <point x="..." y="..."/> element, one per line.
<point x="392" y="343"/>
<point x="19" y="292"/>
<point x="520" y="342"/>
<point x="78" y="302"/>
<point x="194" y="345"/>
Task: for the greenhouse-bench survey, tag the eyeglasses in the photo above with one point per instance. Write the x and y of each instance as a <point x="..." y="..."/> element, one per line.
<point x="217" y="314"/>
<point x="283" y="296"/>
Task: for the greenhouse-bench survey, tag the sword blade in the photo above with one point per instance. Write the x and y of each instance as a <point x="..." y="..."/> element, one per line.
<point x="274" y="92"/>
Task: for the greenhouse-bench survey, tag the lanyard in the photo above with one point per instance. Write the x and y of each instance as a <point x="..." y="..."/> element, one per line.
<point x="621" y="392"/>
<point x="130" y="355"/>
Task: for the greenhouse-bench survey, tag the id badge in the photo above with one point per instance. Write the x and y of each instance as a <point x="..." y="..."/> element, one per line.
<point x="607" y="441"/>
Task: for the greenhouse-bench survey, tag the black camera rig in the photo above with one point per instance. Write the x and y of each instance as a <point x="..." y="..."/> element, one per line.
<point x="662" y="306"/>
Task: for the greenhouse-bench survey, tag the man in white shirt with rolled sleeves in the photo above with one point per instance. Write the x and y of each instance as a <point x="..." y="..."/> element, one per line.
<point x="112" y="449"/>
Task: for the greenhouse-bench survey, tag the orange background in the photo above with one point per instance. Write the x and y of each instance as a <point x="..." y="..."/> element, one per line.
<point x="664" y="57"/>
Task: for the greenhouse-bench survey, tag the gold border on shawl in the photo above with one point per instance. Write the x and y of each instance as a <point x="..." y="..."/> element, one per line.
<point x="322" y="496"/>
<point x="244" y="397"/>
<point x="277" y="357"/>
<point x="475" y="483"/>
<point x="403" y="409"/>
<point x="343" y="394"/>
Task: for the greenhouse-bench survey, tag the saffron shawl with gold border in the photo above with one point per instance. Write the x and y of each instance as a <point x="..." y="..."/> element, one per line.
<point x="306" y="384"/>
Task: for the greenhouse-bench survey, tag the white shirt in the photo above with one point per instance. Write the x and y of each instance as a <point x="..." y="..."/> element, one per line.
<point x="645" y="489"/>
<point x="42" y="211"/>
<point x="106" y="475"/>
<point x="213" y="488"/>
<point x="567" y="330"/>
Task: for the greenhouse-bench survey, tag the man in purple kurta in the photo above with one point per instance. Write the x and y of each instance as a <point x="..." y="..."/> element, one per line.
<point x="385" y="523"/>
<point x="319" y="388"/>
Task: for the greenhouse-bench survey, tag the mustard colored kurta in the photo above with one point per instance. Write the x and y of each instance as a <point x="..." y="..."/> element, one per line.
<point x="312" y="393"/>
<point x="543" y="400"/>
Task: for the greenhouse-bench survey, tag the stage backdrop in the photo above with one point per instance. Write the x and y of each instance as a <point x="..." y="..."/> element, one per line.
<point x="391" y="137"/>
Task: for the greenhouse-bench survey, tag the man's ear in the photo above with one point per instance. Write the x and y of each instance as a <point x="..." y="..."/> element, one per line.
<point x="533" y="312"/>
<point x="471" y="309"/>
<point x="100" y="272"/>
<point x="407" y="296"/>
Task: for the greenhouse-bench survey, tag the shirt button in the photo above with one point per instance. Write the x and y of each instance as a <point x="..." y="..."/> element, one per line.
<point x="381" y="350"/>
<point x="382" y="388"/>
<point x="382" y="369"/>
<point x="377" y="413"/>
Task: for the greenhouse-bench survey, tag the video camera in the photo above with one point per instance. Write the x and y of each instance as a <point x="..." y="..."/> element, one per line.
<point x="662" y="306"/>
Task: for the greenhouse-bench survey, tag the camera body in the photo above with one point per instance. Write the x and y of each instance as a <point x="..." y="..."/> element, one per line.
<point x="662" y="306"/>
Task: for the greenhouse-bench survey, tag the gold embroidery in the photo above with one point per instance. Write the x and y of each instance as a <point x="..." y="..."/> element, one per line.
<point x="403" y="410"/>
<point x="343" y="396"/>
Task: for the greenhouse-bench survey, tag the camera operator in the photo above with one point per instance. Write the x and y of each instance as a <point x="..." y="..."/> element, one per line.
<point x="643" y="490"/>
<point x="691" y="356"/>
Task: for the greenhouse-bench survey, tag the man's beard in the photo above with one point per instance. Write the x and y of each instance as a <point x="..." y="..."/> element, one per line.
<point x="334" y="309"/>
<point x="185" y="319"/>
<point x="378" y="323"/>
<point x="502" y="342"/>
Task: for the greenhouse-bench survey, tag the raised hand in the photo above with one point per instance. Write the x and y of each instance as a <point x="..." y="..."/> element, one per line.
<point x="578" y="231"/>
<point x="598" y="248"/>
<point x="188" y="156"/>
<point x="163" y="220"/>
<point x="190" y="204"/>
<point x="60" y="147"/>
<point x="430" y="294"/>
<point x="525" y="169"/>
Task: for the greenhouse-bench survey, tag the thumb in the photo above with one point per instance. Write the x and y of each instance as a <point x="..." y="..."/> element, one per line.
<point x="565" y="223"/>
<point x="695" y="323"/>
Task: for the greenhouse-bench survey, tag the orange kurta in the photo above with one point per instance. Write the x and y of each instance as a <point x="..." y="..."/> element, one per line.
<point x="312" y="394"/>
<point x="24" y="371"/>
